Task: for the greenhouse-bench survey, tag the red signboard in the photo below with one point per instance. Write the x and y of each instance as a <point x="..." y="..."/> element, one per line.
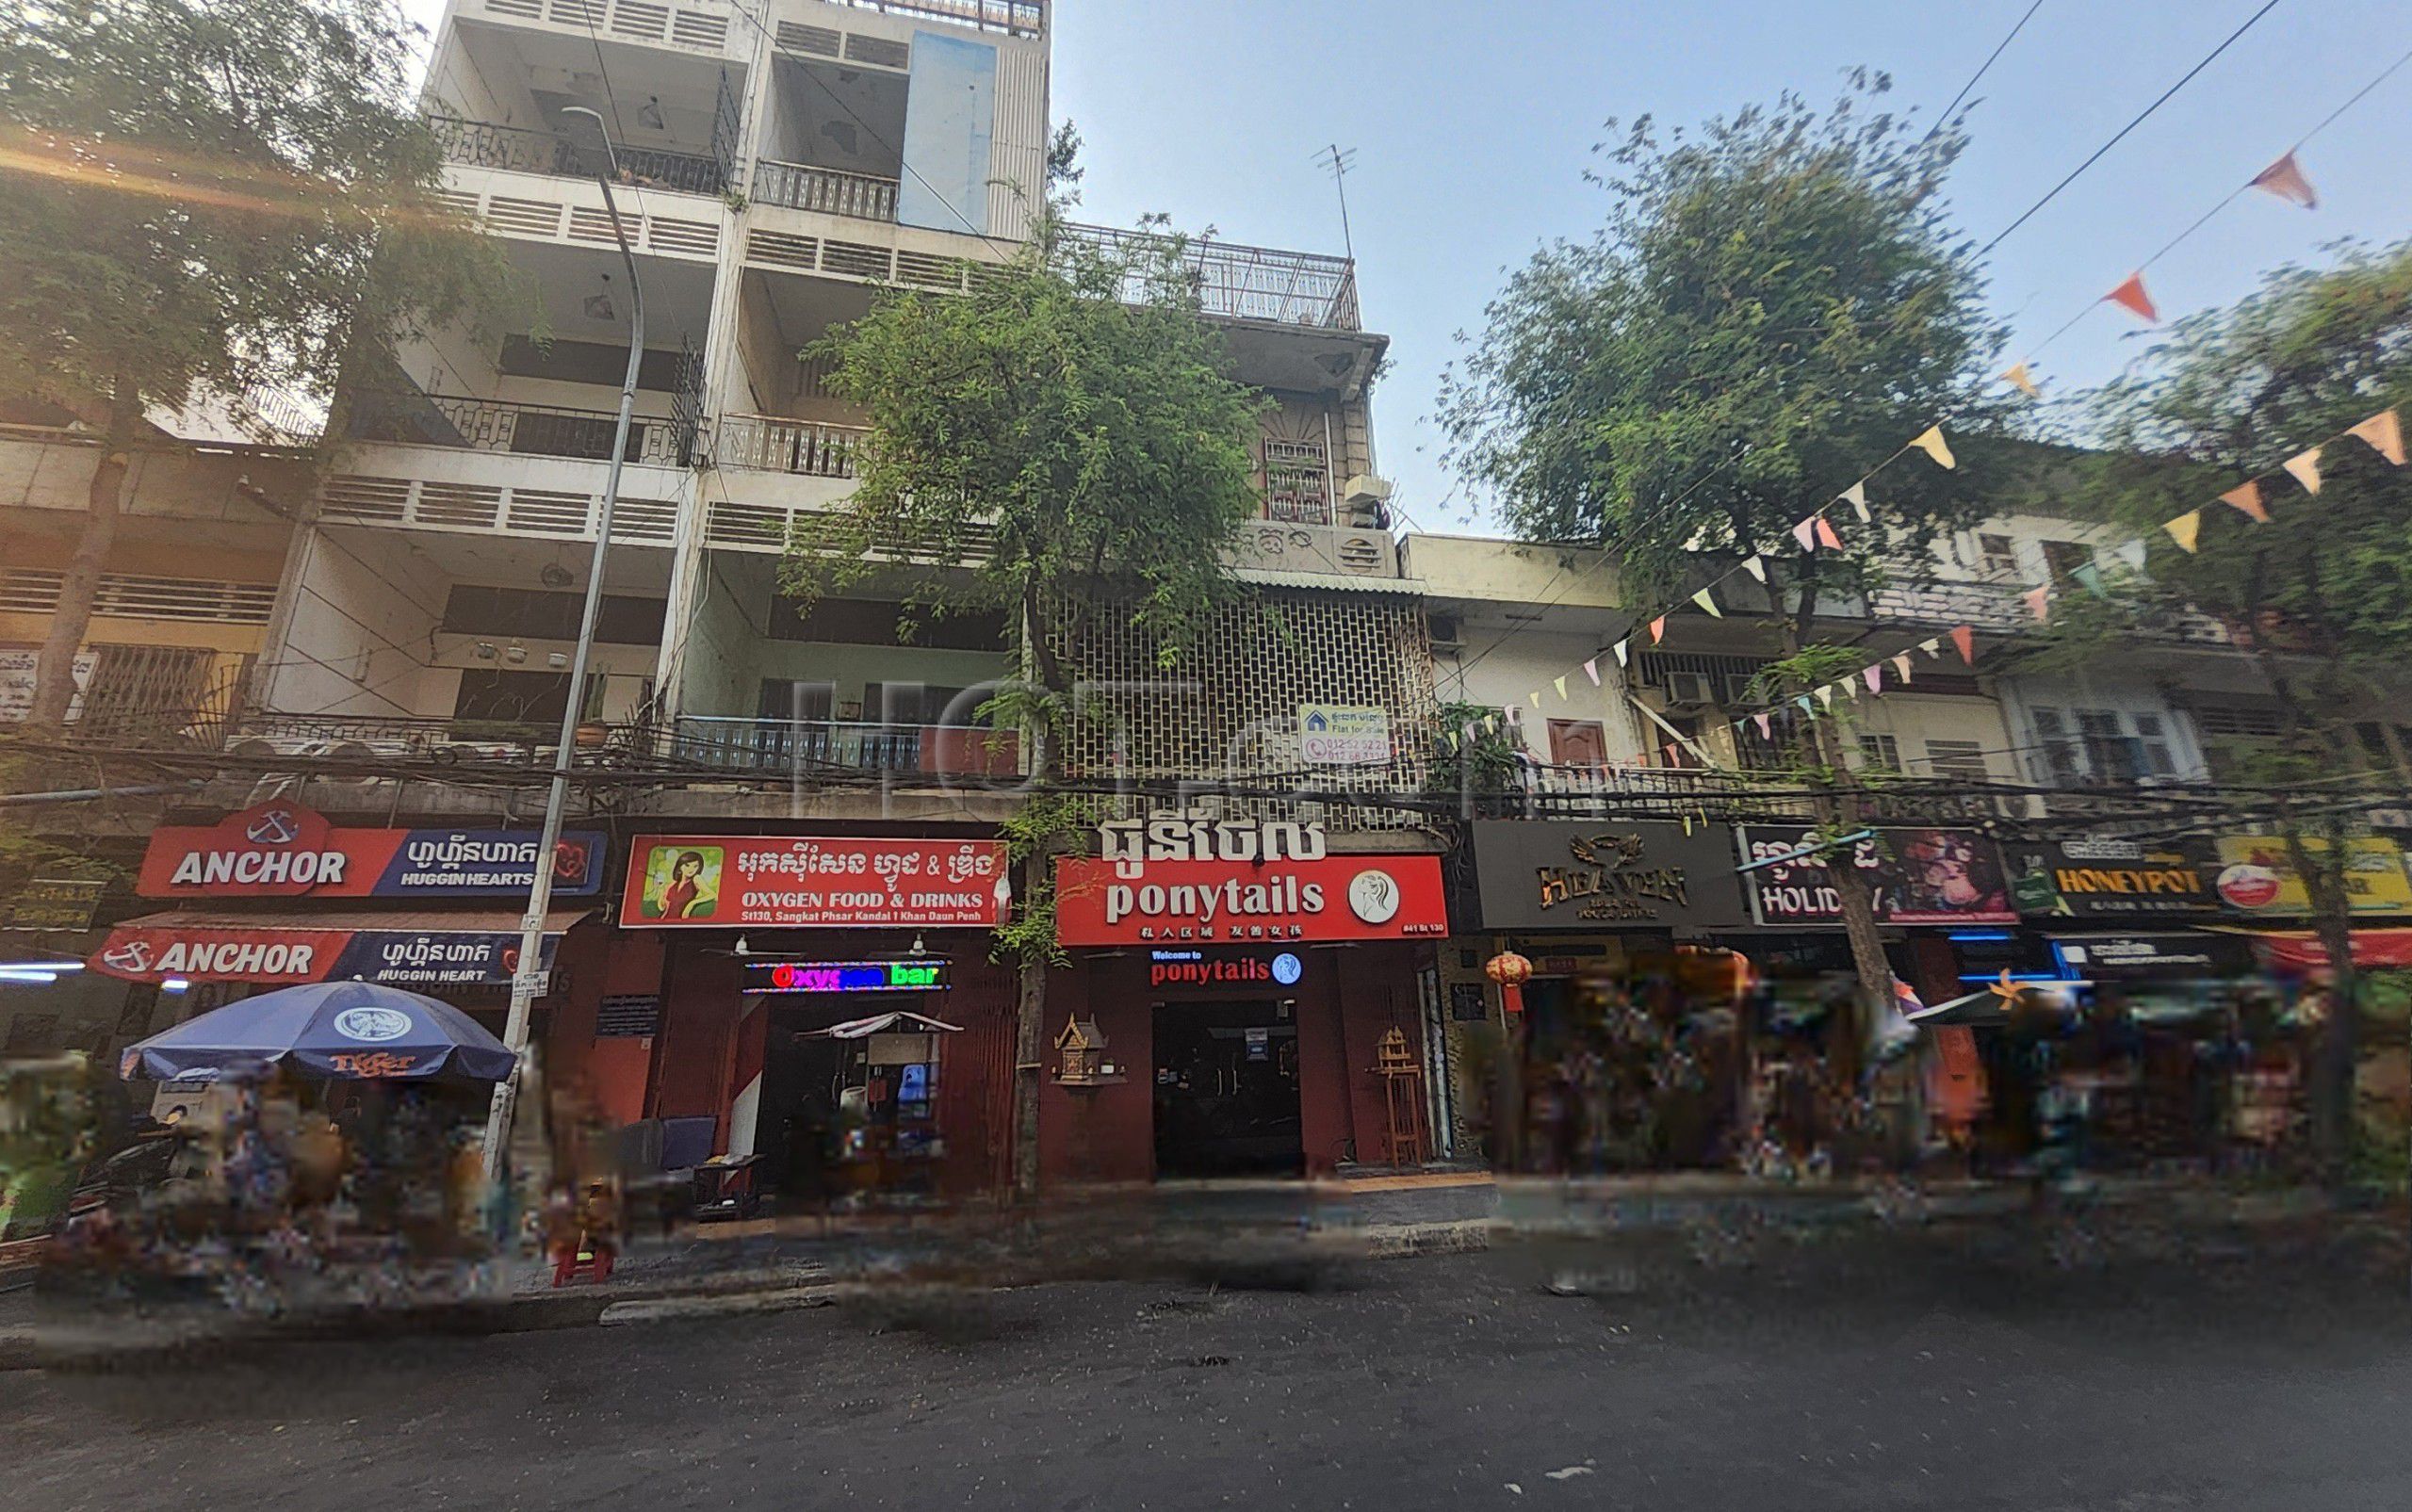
<point x="283" y="850"/>
<point x="812" y="882"/>
<point x="1331" y="898"/>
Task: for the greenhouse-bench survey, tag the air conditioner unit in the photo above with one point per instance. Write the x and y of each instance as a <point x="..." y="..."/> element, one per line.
<point x="1366" y="500"/>
<point x="1448" y="637"/>
<point x="1689" y="689"/>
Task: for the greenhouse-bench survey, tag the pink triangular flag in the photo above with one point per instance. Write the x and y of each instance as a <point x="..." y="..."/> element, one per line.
<point x="1901" y="666"/>
<point x="1964" y="637"/>
<point x="1806" y="533"/>
<point x="1591" y="670"/>
<point x="2303" y="467"/>
<point x="2385" y="435"/>
<point x="2131" y="296"/>
<point x="1767" y="726"/>
<point x="2246" y="495"/>
<point x="1875" y="675"/>
<point x="1671" y="756"/>
<point x="1826" y="536"/>
<point x="2284" y="178"/>
<point x="2039" y="601"/>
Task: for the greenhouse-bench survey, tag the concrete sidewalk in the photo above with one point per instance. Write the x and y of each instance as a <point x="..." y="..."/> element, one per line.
<point x="1235" y="1235"/>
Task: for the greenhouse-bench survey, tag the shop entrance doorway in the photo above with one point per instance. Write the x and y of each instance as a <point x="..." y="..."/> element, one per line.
<point x="1227" y="1089"/>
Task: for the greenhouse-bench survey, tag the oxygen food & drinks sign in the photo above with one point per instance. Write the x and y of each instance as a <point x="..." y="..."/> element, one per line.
<point x="813" y="881"/>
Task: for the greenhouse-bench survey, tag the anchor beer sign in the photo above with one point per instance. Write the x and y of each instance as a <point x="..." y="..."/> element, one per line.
<point x="283" y="850"/>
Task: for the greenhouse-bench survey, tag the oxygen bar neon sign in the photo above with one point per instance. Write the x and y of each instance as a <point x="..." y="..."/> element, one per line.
<point x="845" y="976"/>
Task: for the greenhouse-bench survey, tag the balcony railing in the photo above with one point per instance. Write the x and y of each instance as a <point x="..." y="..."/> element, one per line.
<point x="527" y="429"/>
<point x="1250" y="283"/>
<point x="1015" y="18"/>
<point x="829" y="190"/>
<point x="481" y="144"/>
<point x="767" y="443"/>
<point x="1580" y="792"/>
<point x="820" y="747"/>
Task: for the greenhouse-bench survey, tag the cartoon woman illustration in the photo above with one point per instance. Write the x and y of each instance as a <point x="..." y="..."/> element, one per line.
<point x="686" y="895"/>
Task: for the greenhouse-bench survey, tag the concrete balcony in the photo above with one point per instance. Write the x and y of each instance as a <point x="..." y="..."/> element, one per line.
<point x="707" y="27"/>
<point x="823" y="190"/>
<point x="516" y="149"/>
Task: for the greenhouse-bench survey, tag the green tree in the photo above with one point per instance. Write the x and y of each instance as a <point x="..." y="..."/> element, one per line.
<point x="2315" y="597"/>
<point x="1074" y="412"/>
<point x="203" y="197"/>
<point x="1775" y="303"/>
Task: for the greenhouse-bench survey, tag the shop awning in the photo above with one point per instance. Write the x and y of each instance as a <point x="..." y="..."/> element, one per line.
<point x="880" y="1024"/>
<point x="424" y="948"/>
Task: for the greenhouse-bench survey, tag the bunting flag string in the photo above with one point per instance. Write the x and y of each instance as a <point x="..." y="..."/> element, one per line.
<point x="1930" y="442"/>
<point x="1757" y="567"/>
<point x="2018" y="377"/>
<point x="1624" y="651"/>
<point x="1559" y="683"/>
<point x="1708" y="603"/>
<point x="2384" y="434"/>
<point x="2285" y="179"/>
<point x="1932" y="646"/>
<point x="1806" y="533"/>
<point x="1826" y="695"/>
<point x="1826" y="536"/>
<point x="1856" y="497"/>
<point x="1658" y="629"/>
<point x="2303" y="467"/>
<point x="1964" y="638"/>
<point x="2131" y="296"/>
<point x="1591" y="670"/>
<point x="1766" y="722"/>
<point x="1875" y="675"/>
<point x="2246" y="497"/>
<point x="2039" y="603"/>
<point x="2185" y="529"/>
<point x="1901" y="666"/>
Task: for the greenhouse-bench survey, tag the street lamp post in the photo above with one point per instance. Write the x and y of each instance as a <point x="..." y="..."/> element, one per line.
<point x="528" y="978"/>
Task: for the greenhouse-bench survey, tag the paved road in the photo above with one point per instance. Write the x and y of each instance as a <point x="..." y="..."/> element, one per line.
<point x="1861" y="1375"/>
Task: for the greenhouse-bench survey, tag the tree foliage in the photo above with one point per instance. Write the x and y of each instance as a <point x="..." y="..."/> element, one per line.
<point x="1775" y="303"/>
<point x="216" y="194"/>
<point x="1075" y="411"/>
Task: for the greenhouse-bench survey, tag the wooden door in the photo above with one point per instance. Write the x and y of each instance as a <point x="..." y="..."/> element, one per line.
<point x="1577" y="743"/>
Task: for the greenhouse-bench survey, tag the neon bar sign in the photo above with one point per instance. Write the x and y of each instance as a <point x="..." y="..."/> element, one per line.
<point x="845" y="976"/>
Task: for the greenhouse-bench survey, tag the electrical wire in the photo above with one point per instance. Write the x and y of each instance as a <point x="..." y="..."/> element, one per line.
<point x="1944" y="118"/>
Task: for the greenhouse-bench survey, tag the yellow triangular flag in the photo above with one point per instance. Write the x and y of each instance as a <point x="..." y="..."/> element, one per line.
<point x="2020" y="379"/>
<point x="1826" y="695"/>
<point x="1536" y="697"/>
<point x="1559" y="683"/>
<point x="1756" y="566"/>
<point x="2184" y="529"/>
<point x="1932" y="444"/>
<point x="2303" y="467"/>
<point x="2384" y="434"/>
<point x="1708" y="602"/>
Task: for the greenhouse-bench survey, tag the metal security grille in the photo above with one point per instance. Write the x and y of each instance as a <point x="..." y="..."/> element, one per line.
<point x="1229" y="708"/>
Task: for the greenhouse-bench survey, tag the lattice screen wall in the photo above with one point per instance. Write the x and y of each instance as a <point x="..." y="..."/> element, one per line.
<point x="1229" y="707"/>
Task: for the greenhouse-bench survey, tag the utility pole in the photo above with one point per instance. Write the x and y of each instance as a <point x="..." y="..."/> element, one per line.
<point x="526" y="981"/>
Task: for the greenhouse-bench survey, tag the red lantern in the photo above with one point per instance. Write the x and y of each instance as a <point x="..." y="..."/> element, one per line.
<point x="1511" y="972"/>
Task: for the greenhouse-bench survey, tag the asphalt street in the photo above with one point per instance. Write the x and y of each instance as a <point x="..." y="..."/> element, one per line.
<point x="1848" y="1374"/>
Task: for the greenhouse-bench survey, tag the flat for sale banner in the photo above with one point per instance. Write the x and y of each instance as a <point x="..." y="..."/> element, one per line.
<point x="816" y="882"/>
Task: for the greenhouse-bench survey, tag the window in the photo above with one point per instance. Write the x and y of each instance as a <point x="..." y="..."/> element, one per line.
<point x="471" y="608"/>
<point x="2062" y="558"/>
<point x="2152" y="746"/>
<point x="537" y="698"/>
<point x="1961" y="760"/>
<point x="875" y="622"/>
<point x="1995" y="555"/>
<point x="1881" y="753"/>
<point x="2058" y="758"/>
<point x="1298" y="483"/>
<point x="2102" y="745"/>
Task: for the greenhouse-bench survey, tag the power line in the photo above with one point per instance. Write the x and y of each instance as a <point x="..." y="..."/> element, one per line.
<point x="1944" y="118"/>
<point x="2121" y="134"/>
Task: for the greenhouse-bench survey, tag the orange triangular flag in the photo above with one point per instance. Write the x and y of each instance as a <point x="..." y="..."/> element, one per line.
<point x="2284" y="178"/>
<point x="2385" y="435"/>
<point x="2039" y="601"/>
<point x="1806" y="533"/>
<point x="2131" y="296"/>
<point x="1964" y="637"/>
<point x="1672" y="759"/>
<point x="2303" y="467"/>
<point x="2185" y="529"/>
<point x="1826" y="536"/>
<point x="2020" y="379"/>
<point x="2246" y="495"/>
<point x="1658" y="629"/>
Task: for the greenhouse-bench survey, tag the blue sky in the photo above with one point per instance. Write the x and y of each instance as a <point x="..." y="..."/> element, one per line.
<point x="1473" y="124"/>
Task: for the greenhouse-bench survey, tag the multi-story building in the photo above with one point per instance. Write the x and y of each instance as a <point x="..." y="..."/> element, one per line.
<point x="779" y="164"/>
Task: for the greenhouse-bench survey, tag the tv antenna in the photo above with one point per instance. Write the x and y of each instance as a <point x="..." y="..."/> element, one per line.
<point x="1336" y="161"/>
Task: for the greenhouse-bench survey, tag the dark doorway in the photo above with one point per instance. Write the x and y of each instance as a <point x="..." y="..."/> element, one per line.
<point x="1227" y="1089"/>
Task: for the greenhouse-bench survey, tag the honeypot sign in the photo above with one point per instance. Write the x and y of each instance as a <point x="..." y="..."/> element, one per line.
<point x="1329" y="898"/>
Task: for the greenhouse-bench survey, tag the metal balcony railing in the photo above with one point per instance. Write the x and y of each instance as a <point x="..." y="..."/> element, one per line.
<point x="482" y="144"/>
<point x="767" y="443"/>
<point x="527" y="429"/>
<point x="824" y="747"/>
<point x="829" y="190"/>
<point x="1250" y="283"/>
<point x="1015" y="18"/>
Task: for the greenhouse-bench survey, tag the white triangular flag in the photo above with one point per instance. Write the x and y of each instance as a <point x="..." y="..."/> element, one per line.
<point x="1756" y="566"/>
<point x="1856" y="495"/>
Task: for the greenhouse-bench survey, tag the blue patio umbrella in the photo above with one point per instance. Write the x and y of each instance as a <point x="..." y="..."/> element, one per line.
<point x="331" y="1029"/>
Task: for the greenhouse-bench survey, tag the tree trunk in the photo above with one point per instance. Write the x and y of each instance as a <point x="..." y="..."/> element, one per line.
<point x="2338" y="1047"/>
<point x="1840" y="814"/>
<point x="55" y="667"/>
<point x="1030" y="1047"/>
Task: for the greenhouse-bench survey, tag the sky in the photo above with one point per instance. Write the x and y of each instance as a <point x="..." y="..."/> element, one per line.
<point x="1472" y="124"/>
